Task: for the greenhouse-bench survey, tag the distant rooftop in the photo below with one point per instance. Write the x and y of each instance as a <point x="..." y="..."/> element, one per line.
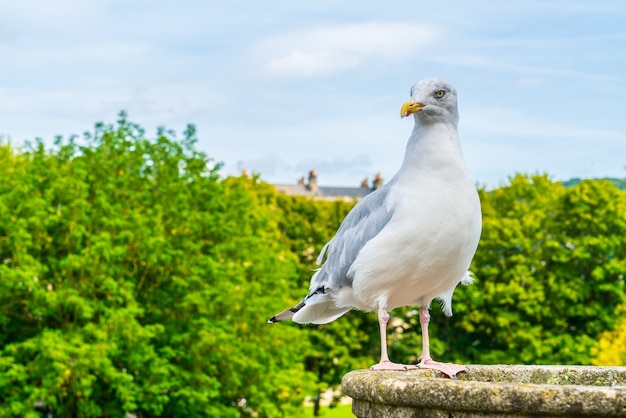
<point x="312" y="189"/>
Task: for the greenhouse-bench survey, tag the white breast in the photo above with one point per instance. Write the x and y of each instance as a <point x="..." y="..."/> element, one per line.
<point x="429" y="243"/>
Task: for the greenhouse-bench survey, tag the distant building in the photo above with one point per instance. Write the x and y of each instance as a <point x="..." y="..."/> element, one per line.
<point x="312" y="189"/>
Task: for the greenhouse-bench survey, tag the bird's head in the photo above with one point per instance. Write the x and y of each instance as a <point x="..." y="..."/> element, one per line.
<point x="432" y="99"/>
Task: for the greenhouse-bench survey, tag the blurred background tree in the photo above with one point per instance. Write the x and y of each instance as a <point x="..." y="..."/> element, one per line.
<point x="134" y="278"/>
<point x="611" y="349"/>
<point x="132" y="281"/>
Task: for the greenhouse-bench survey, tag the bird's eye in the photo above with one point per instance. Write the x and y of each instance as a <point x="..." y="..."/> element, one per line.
<point x="440" y="93"/>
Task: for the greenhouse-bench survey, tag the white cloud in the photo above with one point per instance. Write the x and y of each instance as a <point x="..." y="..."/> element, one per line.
<point x="330" y="49"/>
<point x="300" y="63"/>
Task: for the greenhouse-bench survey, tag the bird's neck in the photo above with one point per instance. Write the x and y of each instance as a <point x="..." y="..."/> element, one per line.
<point x="434" y="148"/>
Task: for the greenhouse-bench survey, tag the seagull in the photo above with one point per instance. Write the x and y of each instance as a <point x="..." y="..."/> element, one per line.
<point x="408" y="242"/>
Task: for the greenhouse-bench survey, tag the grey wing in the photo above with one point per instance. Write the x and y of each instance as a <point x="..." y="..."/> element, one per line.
<point x="363" y="223"/>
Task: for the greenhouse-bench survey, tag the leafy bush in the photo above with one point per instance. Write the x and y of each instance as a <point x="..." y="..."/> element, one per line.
<point x="133" y="278"/>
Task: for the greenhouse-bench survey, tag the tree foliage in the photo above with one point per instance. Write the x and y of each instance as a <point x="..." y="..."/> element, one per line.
<point x="611" y="349"/>
<point x="133" y="278"/>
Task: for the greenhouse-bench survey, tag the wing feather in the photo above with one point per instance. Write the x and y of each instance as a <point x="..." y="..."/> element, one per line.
<point x="363" y="223"/>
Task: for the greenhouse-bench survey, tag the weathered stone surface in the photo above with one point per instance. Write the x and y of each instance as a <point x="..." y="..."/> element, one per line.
<point x="490" y="391"/>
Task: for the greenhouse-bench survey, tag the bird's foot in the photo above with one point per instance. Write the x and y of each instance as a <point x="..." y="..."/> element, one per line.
<point x="387" y="365"/>
<point x="449" y="369"/>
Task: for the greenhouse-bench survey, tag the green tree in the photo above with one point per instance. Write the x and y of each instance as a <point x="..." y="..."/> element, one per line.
<point x="133" y="278"/>
<point x="131" y="281"/>
<point x="611" y="349"/>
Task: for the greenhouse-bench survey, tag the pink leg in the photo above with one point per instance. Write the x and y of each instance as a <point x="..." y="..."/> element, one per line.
<point x="449" y="369"/>
<point x="385" y="364"/>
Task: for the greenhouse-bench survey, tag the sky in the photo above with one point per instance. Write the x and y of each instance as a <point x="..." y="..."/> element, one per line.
<point x="282" y="87"/>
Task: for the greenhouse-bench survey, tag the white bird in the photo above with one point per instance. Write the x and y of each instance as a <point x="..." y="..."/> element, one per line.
<point x="410" y="241"/>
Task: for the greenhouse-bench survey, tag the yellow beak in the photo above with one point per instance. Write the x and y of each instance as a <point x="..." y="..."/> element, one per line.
<point x="410" y="107"/>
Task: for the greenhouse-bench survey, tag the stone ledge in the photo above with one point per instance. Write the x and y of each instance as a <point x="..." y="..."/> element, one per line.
<point x="490" y="391"/>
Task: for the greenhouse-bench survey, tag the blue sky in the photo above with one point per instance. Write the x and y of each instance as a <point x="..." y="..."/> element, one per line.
<point x="281" y="87"/>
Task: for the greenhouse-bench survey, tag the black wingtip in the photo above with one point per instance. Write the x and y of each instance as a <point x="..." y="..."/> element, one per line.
<point x="288" y="313"/>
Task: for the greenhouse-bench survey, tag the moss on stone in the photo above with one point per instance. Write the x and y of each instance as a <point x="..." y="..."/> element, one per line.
<point x="490" y="391"/>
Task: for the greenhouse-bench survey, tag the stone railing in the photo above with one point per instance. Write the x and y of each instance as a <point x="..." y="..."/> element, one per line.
<point x="490" y="391"/>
